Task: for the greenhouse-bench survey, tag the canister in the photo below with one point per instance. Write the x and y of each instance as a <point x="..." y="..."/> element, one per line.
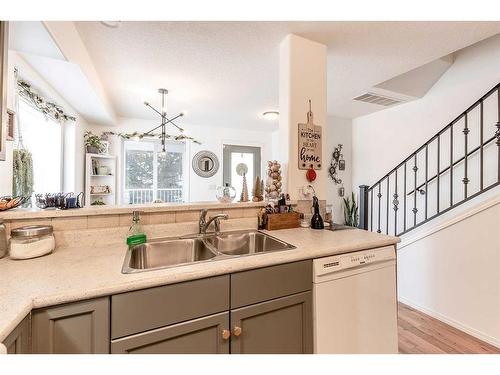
<point x="31" y="241"/>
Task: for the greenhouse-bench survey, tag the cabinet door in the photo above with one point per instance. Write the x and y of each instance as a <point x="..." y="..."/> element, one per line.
<point x="75" y="328"/>
<point x="279" y="326"/>
<point x="208" y="335"/>
<point x="18" y="342"/>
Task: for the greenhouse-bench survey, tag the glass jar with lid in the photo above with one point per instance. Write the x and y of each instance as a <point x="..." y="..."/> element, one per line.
<point x="31" y="241"/>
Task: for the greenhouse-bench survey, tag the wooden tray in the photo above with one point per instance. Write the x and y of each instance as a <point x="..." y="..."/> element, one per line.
<point x="283" y="221"/>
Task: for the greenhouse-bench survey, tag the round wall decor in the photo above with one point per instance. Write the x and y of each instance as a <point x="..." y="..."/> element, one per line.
<point x="205" y="164"/>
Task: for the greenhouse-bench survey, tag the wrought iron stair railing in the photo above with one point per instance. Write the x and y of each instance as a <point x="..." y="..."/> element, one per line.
<point x="445" y="172"/>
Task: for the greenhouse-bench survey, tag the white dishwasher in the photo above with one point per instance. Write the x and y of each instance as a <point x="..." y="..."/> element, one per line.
<point x="355" y="304"/>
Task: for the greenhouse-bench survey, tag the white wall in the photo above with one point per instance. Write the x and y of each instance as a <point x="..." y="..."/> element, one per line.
<point x="454" y="277"/>
<point x="6" y="171"/>
<point x="212" y="139"/>
<point x="302" y="77"/>
<point x="338" y="130"/>
<point x="449" y="273"/>
<point x="73" y="181"/>
<point x="383" y="139"/>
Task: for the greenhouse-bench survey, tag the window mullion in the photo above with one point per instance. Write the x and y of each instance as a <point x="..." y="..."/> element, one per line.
<point x="155" y="171"/>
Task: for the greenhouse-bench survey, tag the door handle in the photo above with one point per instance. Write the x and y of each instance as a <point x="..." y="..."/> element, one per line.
<point x="226" y="334"/>
<point x="237" y="331"/>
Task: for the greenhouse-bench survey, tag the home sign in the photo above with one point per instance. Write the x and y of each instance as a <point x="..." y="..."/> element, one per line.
<point x="309" y="143"/>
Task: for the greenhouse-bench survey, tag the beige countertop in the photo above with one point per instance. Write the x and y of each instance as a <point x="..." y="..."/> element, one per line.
<point x="79" y="273"/>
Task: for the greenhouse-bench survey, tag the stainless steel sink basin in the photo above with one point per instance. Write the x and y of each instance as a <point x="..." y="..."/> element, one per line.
<point x="245" y="243"/>
<point x="166" y="253"/>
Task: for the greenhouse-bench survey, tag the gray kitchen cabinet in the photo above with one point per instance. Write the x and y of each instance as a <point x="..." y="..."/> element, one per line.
<point x="207" y="335"/>
<point x="278" y="326"/>
<point x="74" y="328"/>
<point x="143" y="310"/>
<point x="18" y="342"/>
<point x="262" y="284"/>
<point x="264" y="310"/>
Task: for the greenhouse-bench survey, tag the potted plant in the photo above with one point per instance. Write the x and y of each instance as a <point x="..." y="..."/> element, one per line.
<point x="351" y="212"/>
<point x="93" y="143"/>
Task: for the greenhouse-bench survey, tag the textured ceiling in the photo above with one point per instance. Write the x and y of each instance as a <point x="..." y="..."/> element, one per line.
<point x="226" y="73"/>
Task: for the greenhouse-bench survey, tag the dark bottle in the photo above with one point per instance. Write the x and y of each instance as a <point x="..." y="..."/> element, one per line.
<point x="317" y="220"/>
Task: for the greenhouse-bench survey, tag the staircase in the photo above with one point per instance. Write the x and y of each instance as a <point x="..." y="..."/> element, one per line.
<point x="457" y="164"/>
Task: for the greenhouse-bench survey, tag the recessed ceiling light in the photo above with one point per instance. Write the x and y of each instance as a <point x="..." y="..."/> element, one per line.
<point x="111" y="24"/>
<point x="271" y="115"/>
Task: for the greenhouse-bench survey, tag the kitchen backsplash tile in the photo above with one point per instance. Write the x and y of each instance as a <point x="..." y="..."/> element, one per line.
<point x="82" y="231"/>
<point x="185" y="216"/>
<point x="69" y="223"/>
<point x="103" y="221"/>
<point x="161" y="217"/>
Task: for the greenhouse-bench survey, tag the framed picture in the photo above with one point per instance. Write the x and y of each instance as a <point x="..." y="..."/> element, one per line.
<point x="4" y="49"/>
<point x="11" y="118"/>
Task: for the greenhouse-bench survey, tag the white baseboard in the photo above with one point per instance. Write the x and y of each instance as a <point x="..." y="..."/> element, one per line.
<point x="471" y="331"/>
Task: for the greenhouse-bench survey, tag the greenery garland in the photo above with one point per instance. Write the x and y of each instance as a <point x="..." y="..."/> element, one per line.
<point x="137" y="135"/>
<point x="50" y="109"/>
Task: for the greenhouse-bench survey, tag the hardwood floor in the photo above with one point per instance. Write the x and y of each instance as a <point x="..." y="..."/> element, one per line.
<point x="421" y="334"/>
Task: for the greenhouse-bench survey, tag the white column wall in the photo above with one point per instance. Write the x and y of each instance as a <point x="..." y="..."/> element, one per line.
<point x="302" y="77"/>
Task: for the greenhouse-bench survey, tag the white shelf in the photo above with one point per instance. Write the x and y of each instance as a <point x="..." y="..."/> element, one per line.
<point x="110" y="161"/>
<point x="101" y="156"/>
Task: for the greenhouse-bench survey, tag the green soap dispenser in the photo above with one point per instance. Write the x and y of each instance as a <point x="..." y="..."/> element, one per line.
<point x="136" y="234"/>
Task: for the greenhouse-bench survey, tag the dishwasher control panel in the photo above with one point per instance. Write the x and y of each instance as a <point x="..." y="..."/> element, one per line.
<point x="359" y="259"/>
<point x="342" y="262"/>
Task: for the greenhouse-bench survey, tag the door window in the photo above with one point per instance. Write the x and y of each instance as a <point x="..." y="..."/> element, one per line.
<point x="234" y="155"/>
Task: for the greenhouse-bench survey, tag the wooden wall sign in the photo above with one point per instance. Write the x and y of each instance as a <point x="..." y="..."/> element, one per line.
<point x="309" y="143"/>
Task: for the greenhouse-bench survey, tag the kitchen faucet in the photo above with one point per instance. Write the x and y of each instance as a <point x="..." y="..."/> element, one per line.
<point x="203" y="224"/>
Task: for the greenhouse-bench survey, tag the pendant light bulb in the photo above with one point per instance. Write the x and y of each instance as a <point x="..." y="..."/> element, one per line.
<point x="163" y="151"/>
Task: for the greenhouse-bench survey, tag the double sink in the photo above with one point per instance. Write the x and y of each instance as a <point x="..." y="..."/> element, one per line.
<point x="173" y="252"/>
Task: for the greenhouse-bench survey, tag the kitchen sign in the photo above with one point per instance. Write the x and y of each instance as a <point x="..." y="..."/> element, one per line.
<point x="309" y="143"/>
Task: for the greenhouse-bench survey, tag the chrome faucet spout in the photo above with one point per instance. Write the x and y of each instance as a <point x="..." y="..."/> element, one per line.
<point x="202" y="221"/>
<point x="204" y="224"/>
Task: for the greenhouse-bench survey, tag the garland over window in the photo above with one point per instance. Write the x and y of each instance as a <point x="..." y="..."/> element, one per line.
<point x="48" y="108"/>
<point x="136" y="136"/>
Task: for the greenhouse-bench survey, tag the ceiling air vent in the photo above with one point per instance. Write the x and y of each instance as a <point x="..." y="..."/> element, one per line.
<point x="377" y="99"/>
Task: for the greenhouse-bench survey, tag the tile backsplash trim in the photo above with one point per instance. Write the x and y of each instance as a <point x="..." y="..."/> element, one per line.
<point x="104" y="229"/>
<point x="35" y="213"/>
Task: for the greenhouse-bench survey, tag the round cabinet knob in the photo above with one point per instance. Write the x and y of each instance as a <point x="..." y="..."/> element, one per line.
<point x="237" y="331"/>
<point x="226" y="334"/>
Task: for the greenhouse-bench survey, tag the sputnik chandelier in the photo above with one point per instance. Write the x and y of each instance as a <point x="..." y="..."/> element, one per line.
<point x="162" y="135"/>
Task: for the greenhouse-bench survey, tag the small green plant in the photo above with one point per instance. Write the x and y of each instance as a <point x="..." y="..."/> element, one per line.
<point x="351" y="211"/>
<point x="98" y="202"/>
<point x="92" y="140"/>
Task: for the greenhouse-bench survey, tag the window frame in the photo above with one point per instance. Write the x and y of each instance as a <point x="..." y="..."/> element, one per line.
<point x="63" y="138"/>
<point x="156" y="148"/>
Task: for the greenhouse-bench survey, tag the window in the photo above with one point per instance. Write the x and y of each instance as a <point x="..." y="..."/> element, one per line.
<point x="152" y="175"/>
<point x="42" y="136"/>
<point x="234" y="155"/>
